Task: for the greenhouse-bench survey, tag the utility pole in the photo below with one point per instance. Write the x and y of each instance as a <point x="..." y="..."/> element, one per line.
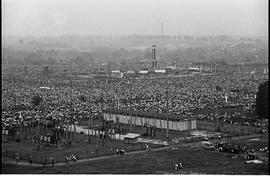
<point x="102" y="99"/>
<point x="105" y="98"/>
<point x="71" y="104"/>
<point x="167" y="108"/>
<point x="130" y="109"/>
<point x="89" y="108"/>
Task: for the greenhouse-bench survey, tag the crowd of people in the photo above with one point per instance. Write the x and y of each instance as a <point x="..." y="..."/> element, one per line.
<point x="184" y="96"/>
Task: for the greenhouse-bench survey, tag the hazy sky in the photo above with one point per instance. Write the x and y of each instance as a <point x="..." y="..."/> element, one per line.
<point x="123" y="17"/>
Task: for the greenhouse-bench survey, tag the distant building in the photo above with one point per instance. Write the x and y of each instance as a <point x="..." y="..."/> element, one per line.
<point x="131" y="72"/>
<point x="193" y="69"/>
<point x="116" y="74"/>
<point x="143" y="71"/>
<point x="160" y="71"/>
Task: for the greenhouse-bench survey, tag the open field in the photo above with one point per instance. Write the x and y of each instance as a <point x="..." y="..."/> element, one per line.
<point x="195" y="161"/>
<point x="80" y="148"/>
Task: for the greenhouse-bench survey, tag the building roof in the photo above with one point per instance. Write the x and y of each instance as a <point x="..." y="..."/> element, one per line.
<point x="143" y="71"/>
<point x="171" y="117"/>
<point x="160" y="71"/>
<point x="193" y="68"/>
<point x="131" y="135"/>
<point x="45" y="88"/>
<point x="116" y="71"/>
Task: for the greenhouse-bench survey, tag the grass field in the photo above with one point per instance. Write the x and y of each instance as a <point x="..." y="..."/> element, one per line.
<point x="80" y="148"/>
<point x="195" y="161"/>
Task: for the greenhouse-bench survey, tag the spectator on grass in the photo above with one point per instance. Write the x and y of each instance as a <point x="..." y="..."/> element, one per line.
<point x="180" y="165"/>
<point x="17" y="158"/>
<point x="147" y="147"/>
<point x="176" y="166"/>
<point x="52" y="161"/>
<point x="30" y="160"/>
<point x="66" y="159"/>
<point x="73" y="157"/>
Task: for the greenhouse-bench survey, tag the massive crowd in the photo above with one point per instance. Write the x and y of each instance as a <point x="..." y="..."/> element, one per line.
<point x="185" y="96"/>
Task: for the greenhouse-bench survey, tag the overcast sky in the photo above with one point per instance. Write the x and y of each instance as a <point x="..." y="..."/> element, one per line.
<point x="124" y="17"/>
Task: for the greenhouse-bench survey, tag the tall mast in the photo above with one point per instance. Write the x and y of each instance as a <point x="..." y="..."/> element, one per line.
<point x="89" y="107"/>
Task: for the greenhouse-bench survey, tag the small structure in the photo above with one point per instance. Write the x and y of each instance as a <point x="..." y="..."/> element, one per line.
<point x="143" y="72"/>
<point x="193" y="69"/>
<point x="45" y="88"/>
<point x="130" y="72"/>
<point x="131" y="138"/>
<point x="116" y="74"/>
<point x="160" y="71"/>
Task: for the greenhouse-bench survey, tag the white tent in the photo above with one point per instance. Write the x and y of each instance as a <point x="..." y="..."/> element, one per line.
<point x="160" y="71"/>
<point x="47" y="88"/>
<point x="194" y="68"/>
<point x="143" y="71"/>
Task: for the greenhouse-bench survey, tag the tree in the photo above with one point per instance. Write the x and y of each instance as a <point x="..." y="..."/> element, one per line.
<point x="262" y="103"/>
<point x="36" y="100"/>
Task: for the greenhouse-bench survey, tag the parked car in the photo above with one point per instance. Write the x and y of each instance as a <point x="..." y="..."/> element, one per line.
<point x="120" y="152"/>
<point x="220" y="144"/>
<point x="208" y="145"/>
<point x="230" y="148"/>
<point x="205" y="139"/>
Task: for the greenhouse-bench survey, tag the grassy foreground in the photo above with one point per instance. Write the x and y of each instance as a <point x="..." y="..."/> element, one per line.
<point x="195" y="161"/>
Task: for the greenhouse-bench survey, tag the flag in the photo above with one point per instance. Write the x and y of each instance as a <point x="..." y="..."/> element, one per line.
<point x="21" y="117"/>
<point x="226" y="98"/>
<point x="218" y="88"/>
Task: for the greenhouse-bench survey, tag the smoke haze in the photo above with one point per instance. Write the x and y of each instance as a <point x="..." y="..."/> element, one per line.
<point x="125" y="17"/>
